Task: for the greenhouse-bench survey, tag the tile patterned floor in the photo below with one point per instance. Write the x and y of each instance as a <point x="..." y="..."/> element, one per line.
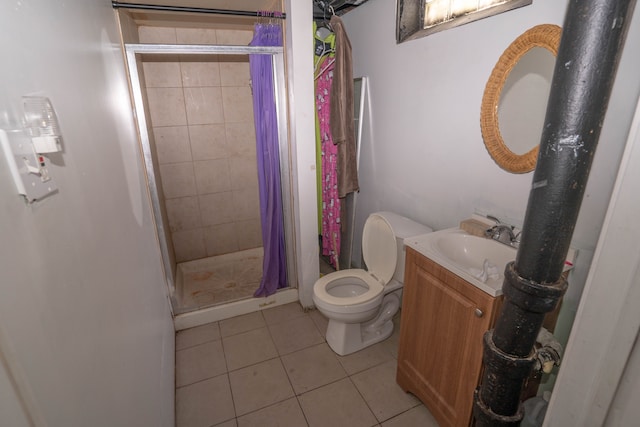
<point x="218" y="280"/>
<point x="274" y="368"/>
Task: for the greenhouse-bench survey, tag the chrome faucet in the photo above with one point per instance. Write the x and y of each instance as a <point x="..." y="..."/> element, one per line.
<point x="503" y="233"/>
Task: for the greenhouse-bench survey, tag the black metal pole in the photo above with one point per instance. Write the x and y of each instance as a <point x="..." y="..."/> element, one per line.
<point x="166" y="8"/>
<point x="592" y="40"/>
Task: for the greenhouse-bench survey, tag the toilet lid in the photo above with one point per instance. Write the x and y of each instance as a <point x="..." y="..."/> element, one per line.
<point x="379" y="248"/>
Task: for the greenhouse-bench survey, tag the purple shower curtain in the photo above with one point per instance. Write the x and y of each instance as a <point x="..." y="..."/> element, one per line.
<point x="274" y="271"/>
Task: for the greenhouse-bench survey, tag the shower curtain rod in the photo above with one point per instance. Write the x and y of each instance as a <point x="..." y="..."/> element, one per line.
<point x="257" y="14"/>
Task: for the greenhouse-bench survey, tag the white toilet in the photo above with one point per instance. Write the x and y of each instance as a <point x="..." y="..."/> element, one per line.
<point x="360" y="304"/>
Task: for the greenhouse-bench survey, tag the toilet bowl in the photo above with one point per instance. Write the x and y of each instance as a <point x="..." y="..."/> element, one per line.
<point x="360" y="304"/>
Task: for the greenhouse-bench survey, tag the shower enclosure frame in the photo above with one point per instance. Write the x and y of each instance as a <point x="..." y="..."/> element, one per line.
<point x="132" y="53"/>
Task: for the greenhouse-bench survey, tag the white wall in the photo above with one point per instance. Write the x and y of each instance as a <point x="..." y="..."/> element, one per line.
<point x="426" y="159"/>
<point x="83" y="302"/>
<point x="302" y="141"/>
<point x="13" y="413"/>
<point x="624" y="410"/>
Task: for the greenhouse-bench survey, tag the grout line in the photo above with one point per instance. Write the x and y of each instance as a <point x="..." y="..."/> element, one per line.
<point x="365" y="400"/>
<point x="271" y="404"/>
<point x="201" y="380"/>
<point x="254" y="364"/>
<point x="198" y="344"/>
<point x="226" y="365"/>
<point x="306" y="420"/>
<point x="233" y="400"/>
<point x="244" y="331"/>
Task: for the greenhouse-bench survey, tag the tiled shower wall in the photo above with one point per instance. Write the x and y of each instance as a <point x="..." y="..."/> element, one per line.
<point x="202" y="116"/>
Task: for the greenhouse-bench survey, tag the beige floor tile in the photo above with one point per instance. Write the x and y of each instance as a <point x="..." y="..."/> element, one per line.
<point x="230" y="423"/>
<point x="199" y="362"/>
<point x="198" y="335"/>
<point x="259" y="386"/>
<point x="378" y="387"/>
<point x="244" y="323"/>
<point x="392" y="342"/>
<point x="249" y="348"/>
<point x="366" y="358"/>
<point x="312" y="367"/>
<point x="205" y="403"/>
<point x="336" y="404"/>
<point x="283" y="414"/>
<point x="295" y="335"/>
<point x="320" y="321"/>
<point x="415" y="417"/>
<point x="283" y="313"/>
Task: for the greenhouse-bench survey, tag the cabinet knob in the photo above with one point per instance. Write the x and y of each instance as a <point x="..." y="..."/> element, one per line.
<point x="478" y="312"/>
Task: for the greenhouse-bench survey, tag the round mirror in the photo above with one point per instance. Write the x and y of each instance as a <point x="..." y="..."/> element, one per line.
<point x="515" y="98"/>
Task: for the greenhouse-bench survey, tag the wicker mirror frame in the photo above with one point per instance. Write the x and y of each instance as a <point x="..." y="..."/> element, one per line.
<point x="546" y="36"/>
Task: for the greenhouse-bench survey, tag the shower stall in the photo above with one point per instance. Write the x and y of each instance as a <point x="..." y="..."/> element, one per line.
<point x="194" y="107"/>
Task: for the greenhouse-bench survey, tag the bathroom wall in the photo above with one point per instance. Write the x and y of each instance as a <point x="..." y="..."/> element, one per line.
<point x="300" y="84"/>
<point x="84" y="316"/>
<point x="624" y="411"/>
<point x="425" y="157"/>
<point x="202" y="117"/>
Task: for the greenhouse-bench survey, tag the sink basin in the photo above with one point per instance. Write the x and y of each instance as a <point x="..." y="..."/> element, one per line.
<point x="464" y="254"/>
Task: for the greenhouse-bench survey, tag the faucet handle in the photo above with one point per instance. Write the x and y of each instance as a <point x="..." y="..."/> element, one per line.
<point x="494" y="219"/>
<point x="495" y="231"/>
<point x="517" y="239"/>
<point x="490" y="231"/>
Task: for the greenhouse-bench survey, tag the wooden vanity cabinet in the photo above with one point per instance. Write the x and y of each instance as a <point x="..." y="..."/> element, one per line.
<point x="440" y="352"/>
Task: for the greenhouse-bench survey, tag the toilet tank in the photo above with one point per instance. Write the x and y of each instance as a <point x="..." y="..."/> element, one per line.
<point x="402" y="228"/>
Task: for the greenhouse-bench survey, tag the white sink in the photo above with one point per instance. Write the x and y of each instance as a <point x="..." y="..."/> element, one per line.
<point x="464" y="254"/>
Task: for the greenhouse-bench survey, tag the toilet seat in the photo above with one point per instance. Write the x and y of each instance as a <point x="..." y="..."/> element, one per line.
<point x="379" y="248"/>
<point x="379" y="251"/>
<point x="345" y="277"/>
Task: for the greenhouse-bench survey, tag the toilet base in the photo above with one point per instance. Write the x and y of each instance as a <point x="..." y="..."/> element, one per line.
<point x="347" y="338"/>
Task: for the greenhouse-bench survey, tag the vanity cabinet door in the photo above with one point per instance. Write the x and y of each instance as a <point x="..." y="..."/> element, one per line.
<point x="440" y="353"/>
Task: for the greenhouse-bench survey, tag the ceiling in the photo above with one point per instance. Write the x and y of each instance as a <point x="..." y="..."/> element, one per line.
<point x="200" y="20"/>
<point x="216" y="4"/>
<point x="339" y="6"/>
<point x="150" y="17"/>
